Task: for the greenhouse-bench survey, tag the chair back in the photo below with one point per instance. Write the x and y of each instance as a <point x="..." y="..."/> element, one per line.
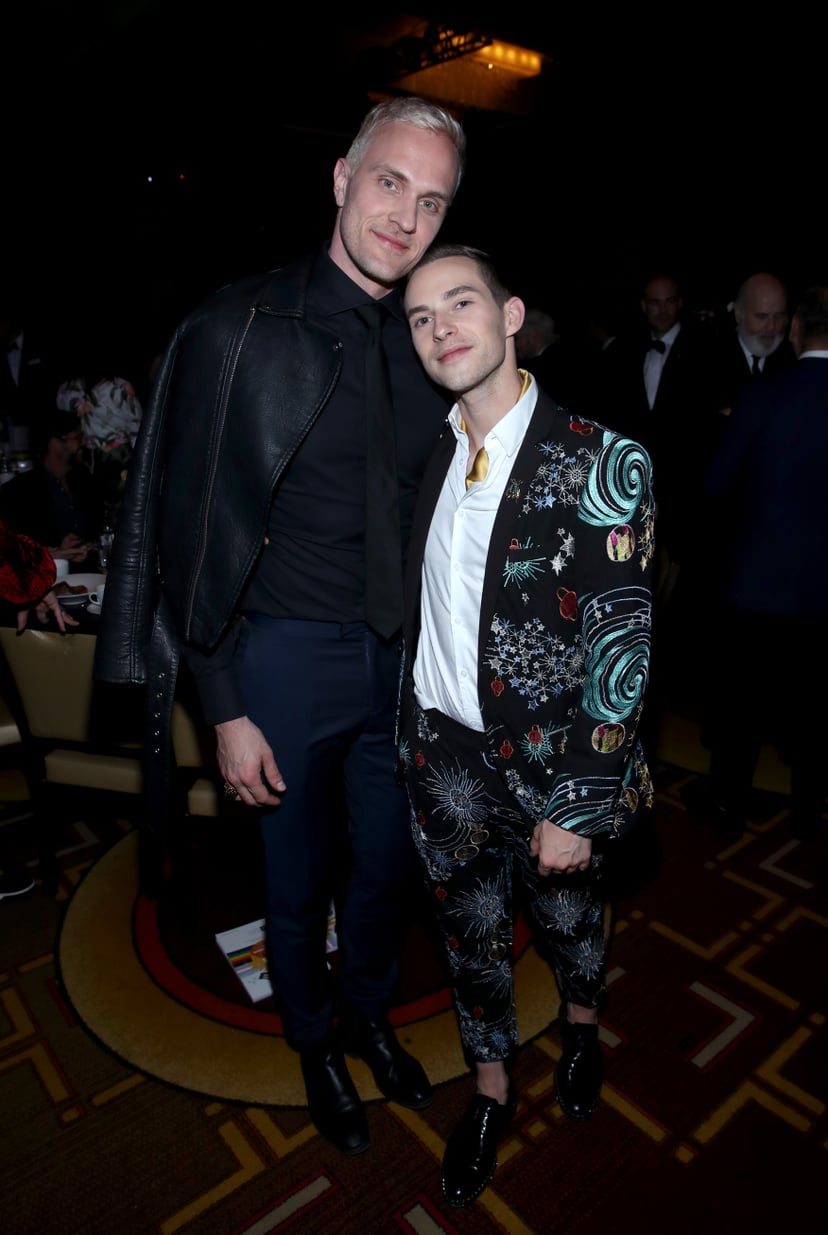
<point x="53" y="675"/>
<point x="194" y="751"/>
<point x="9" y="732"/>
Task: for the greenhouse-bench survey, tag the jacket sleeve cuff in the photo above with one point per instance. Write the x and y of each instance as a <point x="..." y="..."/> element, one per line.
<point x="217" y="683"/>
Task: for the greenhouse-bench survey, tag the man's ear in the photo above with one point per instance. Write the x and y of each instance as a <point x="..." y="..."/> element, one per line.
<point x="737" y="311"/>
<point x="514" y="312"/>
<point x="795" y="335"/>
<point x="341" y="176"/>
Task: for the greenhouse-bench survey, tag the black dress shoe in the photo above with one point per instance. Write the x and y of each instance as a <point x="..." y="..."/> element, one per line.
<point x="333" y="1102"/>
<point x="398" y="1075"/>
<point x="580" y="1070"/>
<point x="470" y="1159"/>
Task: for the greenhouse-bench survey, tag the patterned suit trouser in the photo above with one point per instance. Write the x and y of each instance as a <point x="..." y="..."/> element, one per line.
<point x="472" y="841"/>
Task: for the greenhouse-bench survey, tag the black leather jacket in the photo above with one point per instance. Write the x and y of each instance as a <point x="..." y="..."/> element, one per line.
<point x="240" y="385"/>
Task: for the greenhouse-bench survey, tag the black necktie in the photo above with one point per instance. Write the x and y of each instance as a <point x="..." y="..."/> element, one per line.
<point x="657" y="346"/>
<point x="756" y="368"/>
<point x="383" y="553"/>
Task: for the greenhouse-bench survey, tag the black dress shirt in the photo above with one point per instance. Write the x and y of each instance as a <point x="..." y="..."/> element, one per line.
<point x="313" y="567"/>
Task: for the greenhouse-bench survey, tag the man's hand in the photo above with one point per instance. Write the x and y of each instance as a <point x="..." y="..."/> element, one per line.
<point x="559" y="850"/>
<point x="244" y="758"/>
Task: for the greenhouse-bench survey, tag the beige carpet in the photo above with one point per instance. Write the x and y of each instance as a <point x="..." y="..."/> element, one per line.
<point x="118" y="1001"/>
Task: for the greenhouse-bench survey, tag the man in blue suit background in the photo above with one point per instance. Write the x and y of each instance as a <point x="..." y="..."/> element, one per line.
<point x="771" y="673"/>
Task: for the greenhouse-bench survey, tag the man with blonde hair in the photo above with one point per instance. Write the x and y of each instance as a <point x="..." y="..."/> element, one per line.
<point x="262" y="538"/>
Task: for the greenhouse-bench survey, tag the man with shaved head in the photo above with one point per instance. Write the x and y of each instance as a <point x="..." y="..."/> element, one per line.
<point x="656" y="386"/>
<point x="657" y="390"/>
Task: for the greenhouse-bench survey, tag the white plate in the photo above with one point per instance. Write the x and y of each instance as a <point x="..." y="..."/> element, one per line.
<point x="73" y="599"/>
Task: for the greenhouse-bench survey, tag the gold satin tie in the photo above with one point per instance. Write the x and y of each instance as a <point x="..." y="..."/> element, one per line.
<point x="479" y="468"/>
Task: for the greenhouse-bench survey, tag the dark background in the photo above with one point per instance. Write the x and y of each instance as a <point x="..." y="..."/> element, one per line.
<point x="678" y="136"/>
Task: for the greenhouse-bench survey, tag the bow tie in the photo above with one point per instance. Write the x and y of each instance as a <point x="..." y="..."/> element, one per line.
<point x="657" y="345"/>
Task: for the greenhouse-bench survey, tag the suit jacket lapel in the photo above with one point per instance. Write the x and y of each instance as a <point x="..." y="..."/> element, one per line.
<point x="506" y="523"/>
<point x="541" y="427"/>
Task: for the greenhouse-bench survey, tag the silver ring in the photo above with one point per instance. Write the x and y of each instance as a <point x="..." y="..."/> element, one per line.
<point x="229" y="791"/>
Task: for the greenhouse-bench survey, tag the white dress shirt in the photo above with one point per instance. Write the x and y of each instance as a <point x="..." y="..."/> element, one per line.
<point x="655" y="361"/>
<point x="454" y="565"/>
<point x="749" y="356"/>
<point x="14" y="355"/>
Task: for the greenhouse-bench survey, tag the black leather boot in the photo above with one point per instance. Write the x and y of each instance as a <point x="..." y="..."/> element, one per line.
<point x="580" y="1070"/>
<point x="333" y="1102"/>
<point x="398" y="1075"/>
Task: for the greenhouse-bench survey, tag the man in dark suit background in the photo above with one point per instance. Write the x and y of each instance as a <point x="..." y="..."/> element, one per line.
<point x="751" y="346"/>
<point x="757" y="346"/>
<point x="771" y="672"/>
<point x="657" y="391"/>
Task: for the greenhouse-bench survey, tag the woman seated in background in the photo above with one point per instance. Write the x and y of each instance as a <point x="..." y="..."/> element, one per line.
<point x="27" y="576"/>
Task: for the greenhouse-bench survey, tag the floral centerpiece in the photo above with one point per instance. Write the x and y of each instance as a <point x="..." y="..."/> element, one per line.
<point x="110" y="416"/>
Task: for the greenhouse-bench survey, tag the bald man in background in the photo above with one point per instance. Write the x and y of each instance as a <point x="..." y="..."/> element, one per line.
<point x="759" y="346"/>
<point x="768" y="675"/>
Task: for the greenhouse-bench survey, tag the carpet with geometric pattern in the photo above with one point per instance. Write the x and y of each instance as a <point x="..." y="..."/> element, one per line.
<point x="141" y="1091"/>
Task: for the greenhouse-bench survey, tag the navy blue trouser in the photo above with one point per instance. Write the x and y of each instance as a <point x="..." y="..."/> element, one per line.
<point x="325" y="695"/>
<point x="472" y="840"/>
<point x="770" y="685"/>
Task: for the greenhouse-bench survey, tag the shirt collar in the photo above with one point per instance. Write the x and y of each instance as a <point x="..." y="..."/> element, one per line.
<point x="670" y="337"/>
<point x="749" y="356"/>
<point x="510" y="430"/>
<point x="330" y="291"/>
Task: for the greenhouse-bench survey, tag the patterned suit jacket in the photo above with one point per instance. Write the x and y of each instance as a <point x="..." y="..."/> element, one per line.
<point x="564" y="636"/>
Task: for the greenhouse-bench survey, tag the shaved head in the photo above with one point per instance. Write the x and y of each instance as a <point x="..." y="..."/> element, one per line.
<point x="661" y="304"/>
